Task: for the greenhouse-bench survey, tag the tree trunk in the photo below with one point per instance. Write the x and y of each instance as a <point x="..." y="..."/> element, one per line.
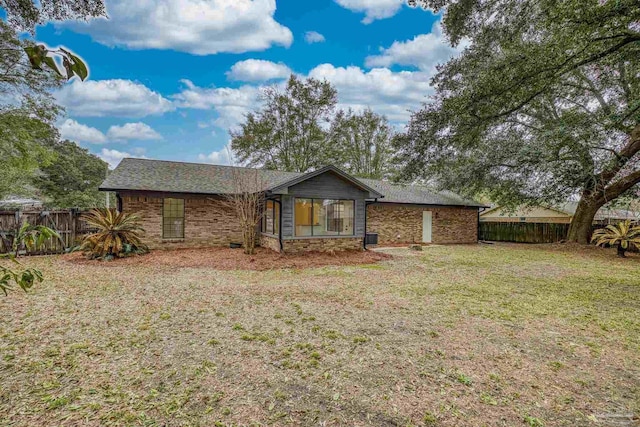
<point x="580" y="228"/>
<point x="621" y="251"/>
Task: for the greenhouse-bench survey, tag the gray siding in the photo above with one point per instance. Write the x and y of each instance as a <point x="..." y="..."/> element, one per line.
<point x="325" y="186"/>
<point x="287" y="216"/>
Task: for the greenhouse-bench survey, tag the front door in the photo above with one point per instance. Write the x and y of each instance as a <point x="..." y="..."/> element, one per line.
<point x="426" y="226"/>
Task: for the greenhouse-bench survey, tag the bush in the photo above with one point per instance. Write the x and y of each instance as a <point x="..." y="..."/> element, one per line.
<point x="624" y="235"/>
<point x="119" y="235"/>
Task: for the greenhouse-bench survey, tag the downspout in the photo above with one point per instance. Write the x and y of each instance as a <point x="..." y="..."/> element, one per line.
<point x="480" y="210"/>
<point x="279" y="202"/>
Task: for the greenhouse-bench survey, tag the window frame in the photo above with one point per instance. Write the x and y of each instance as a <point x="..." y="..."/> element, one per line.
<point x="312" y="218"/>
<point x="275" y="220"/>
<point x="183" y="217"/>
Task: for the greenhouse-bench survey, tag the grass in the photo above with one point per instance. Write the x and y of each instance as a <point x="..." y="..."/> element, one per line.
<point x="496" y="335"/>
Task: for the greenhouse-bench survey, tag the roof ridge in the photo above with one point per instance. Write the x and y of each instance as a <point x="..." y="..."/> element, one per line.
<point x="207" y="164"/>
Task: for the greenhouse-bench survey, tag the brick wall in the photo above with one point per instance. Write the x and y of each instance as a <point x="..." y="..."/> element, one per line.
<point x="269" y="242"/>
<point x="397" y="223"/>
<point x="206" y="221"/>
<point x="322" y="245"/>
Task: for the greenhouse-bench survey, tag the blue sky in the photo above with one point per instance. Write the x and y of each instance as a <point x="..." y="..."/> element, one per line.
<point x="169" y="78"/>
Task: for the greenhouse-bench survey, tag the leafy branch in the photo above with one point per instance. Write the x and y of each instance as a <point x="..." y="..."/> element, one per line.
<point x="24" y="278"/>
<point x="39" y="56"/>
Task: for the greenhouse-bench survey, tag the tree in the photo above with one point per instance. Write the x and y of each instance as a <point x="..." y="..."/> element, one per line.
<point x="247" y="202"/>
<point x="24" y="15"/>
<point x="363" y="143"/>
<point x="72" y="179"/>
<point x="287" y="133"/>
<point x="542" y="105"/>
<point x="25" y="141"/>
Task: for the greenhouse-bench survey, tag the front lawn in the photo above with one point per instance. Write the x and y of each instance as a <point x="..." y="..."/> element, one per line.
<point x="495" y="335"/>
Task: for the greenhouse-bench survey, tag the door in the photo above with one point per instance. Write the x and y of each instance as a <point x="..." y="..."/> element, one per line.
<point x="426" y="226"/>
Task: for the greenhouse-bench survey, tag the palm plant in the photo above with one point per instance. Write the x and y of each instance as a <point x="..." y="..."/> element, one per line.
<point x="118" y="234"/>
<point x="624" y="235"/>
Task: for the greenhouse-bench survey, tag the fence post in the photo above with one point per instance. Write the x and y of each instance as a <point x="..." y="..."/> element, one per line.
<point x="72" y="228"/>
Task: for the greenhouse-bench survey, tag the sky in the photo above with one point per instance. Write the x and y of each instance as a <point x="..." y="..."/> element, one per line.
<point x="170" y="78"/>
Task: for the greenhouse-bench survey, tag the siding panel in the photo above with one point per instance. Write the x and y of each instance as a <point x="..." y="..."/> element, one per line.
<point x="325" y="186"/>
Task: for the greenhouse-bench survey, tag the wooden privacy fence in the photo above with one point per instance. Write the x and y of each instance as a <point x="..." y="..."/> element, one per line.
<point x="523" y="232"/>
<point x="67" y="222"/>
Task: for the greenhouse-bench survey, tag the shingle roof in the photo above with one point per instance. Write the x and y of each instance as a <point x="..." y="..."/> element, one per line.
<point x="417" y="194"/>
<point x="197" y="178"/>
<point x="181" y="177"/>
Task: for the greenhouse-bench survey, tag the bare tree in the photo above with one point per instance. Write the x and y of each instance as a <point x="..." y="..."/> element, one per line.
<point x="247" y="201"/>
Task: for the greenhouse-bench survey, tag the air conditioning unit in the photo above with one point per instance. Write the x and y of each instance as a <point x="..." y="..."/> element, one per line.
<point x="371" y="239"/>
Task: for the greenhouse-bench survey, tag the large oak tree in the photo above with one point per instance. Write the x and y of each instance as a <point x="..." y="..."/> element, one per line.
<point x="544" y="104"/>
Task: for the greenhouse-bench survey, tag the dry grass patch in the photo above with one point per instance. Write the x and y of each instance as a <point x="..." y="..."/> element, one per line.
<point x="496" y="335"/>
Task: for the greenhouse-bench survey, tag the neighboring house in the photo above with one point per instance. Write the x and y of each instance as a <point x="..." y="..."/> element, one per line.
<point x="22" y="203"/>
<point x="561" y="214"/>
<point x="182" y="205"/>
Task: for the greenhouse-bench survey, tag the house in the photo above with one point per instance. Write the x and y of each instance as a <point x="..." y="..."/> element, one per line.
<point x="181" y="205"/>
<point x="561" y="214"/>
<point x="16" y="202"/>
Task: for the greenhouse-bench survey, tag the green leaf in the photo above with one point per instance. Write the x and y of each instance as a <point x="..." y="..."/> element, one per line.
<point x="79" y="67"/>
<point x="52" y="64"/>
<point x="34" y="53"/>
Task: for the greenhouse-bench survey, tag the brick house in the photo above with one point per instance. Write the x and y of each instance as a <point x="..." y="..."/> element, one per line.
<point x="181" y="206"/>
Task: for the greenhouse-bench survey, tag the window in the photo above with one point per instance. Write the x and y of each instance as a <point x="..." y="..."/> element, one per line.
<point x="173" y="219"/>
<point x="271" y="218"/>
<point x="324" y="217"/>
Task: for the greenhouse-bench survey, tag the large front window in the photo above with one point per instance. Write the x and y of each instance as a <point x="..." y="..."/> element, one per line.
<point x="324" y="217"/>
<point x="173" y="219"/>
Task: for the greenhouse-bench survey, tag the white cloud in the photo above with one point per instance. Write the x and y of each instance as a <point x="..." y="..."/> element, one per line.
<point x="231" y="104"/>
<point x="132" y="131"/>
<point x="221" y="157"/>
<point x="373" y="9"/>
<point x="258" y="70"/>
<point x="113" y="157"/>
<point x="385" y="92"/>
<point x="313" y="37"/>
<point x="74" y="131"/>
<point x="119" y="98"/>
<point x="424" y="51"/>
<point x="200" y="27"/>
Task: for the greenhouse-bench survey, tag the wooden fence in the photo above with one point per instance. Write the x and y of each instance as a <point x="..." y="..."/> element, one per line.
<point x="523" y="232"/>
<point x="67" y="222"/>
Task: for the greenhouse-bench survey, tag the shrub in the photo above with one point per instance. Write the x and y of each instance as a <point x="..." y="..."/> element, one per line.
<point x="623" y="235"/>
<point x="32" y="237"/>
<point x="119" y="235"/>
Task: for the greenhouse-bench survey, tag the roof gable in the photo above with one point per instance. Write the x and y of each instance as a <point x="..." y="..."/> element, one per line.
<point x="283" y="187"/>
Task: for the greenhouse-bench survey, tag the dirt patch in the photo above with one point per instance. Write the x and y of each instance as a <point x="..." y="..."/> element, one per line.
<point x="235" y="259"/>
